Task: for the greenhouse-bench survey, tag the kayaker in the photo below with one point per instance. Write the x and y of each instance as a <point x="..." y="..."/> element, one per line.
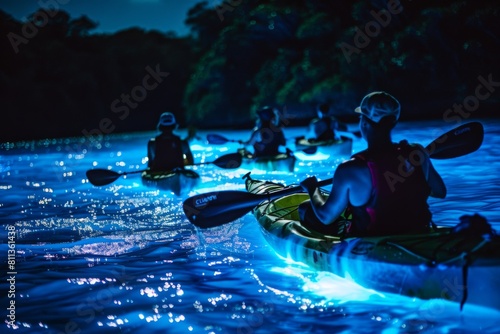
<point x="324" y="127"/>
<point x="267" y="137"/>
<point x="385" y="187"/>
<point x="167" y="151"/>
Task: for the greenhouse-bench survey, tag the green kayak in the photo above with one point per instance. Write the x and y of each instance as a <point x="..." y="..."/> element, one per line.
<point x="445" y="264"/>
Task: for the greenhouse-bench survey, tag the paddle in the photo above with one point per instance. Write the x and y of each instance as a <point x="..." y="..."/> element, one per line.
<point x="217" y="208"/>
<point x="216" y="139"/>
<point x="102" y="177"/>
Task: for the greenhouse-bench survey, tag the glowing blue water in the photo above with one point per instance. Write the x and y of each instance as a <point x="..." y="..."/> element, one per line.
<point x="123" y="257"/>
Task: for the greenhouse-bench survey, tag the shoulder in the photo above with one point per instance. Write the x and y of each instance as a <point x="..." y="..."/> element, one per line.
<point x="360" y="156"/>
<point x="352" y="174"/>
<point x="410" y="148"/>
<point x="405" y="144"/>
<point x="351" y="166"/>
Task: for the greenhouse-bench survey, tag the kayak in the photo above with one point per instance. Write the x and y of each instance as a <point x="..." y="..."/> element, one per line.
<point x="178" y="181"/>
<point x="283" y="162"/>
<point x="305" y="149"/>
<point x="443" y="264"/>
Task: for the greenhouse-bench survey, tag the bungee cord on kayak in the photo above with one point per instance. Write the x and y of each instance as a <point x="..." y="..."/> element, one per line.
<point x="411" y="261"/>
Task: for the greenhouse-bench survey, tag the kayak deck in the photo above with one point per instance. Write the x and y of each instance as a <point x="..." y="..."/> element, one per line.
<point x="439" y="265"/>
<point x="306" y="149"/>
<point x="283" y="162"/>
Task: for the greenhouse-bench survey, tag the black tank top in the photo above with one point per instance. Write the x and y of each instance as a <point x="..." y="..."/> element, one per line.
<point x="272" y="137"/>
<point x="323" y="129"/>
<point x="168" y="153"/>
<point x="398" y="203"/>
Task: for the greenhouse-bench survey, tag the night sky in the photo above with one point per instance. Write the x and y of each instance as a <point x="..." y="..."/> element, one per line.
<point x="114" y="15"/>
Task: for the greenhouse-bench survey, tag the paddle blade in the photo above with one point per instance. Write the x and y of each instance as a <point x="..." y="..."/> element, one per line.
<point x="101" y="177"/>
<point x="457" y="142"/>
<point x="217" y="208"/>
<point x="229" y="161"/>
<point x="216" y="139"/>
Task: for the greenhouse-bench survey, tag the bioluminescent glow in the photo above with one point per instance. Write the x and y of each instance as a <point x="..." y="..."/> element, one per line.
<point x="330" y="286"/>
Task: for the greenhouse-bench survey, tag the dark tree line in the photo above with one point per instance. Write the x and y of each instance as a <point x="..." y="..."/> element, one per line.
<point x="64" y="81"/>
<point x="58" y="79"/>
<point x="296" y="54"/>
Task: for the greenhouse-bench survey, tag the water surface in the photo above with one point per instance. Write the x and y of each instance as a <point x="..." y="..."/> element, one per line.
<point x="123" y="257"/>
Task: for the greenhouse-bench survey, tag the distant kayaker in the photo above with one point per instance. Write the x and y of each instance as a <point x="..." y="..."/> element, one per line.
<point x="325" y="126"/>
<point x="267" y="137"/>
<point x="385" y="187"/>
<point x="168" y="151"/>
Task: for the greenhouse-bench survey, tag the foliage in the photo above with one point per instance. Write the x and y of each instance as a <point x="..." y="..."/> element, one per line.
<point x="418" y="48"/>
<point x="64" y="80"/>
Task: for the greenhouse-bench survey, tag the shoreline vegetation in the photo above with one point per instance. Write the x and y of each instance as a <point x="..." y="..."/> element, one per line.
<point x="60" y="80"/>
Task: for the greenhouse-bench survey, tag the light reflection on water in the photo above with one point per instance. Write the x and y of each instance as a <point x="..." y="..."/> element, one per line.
<point x="123" y="256"/>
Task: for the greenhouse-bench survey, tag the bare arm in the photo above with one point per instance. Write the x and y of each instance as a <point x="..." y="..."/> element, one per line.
<point x="188" y="154"/>
<point x="434" y="180"/>
<point x="151" y="151"/>
<point x="438" y="188"/>
<point x="254" y="137"/>
<point x="351" y="184"/>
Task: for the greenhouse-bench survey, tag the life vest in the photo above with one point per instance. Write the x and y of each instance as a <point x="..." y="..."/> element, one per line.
<point x="271" y="138"/>
<point x="398" y="201"/>
<point x="324" y="129"/>
<point x="168" y="152"/>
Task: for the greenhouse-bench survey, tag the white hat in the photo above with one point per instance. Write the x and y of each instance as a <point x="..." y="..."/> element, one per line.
<point x="167" y="119"/>
<point x="378" y="105"/>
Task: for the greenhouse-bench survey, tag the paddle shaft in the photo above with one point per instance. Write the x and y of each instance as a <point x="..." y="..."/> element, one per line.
<point x="101" y="177"/>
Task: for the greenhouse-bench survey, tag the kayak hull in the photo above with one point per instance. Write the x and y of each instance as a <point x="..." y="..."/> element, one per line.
<point x="283" y="162"/>
<point x="323" y="150"/>
<point x="179" y="181"/>
<point x="440" y="265"/>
